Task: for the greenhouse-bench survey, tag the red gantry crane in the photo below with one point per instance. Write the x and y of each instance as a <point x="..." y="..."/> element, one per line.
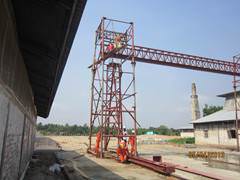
<point x="113" y="92"/>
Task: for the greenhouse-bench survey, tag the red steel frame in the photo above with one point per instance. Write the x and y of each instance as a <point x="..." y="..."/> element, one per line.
<point x="113" y="103"/>
<point x="180" y="60"/>
<point x="167" y="58"/>
<point x="108" y="71"/>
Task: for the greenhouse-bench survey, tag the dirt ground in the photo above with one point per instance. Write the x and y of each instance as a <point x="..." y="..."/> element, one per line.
<point x="179" y="155"/>
<point x="38" y="168"/>
<point x="86" y="166"/>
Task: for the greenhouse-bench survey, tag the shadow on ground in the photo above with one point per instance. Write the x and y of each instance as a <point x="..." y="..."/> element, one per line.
<point x="76" y="166"/>
<point x="82" y="166"/>
<point x="39" y="166"/>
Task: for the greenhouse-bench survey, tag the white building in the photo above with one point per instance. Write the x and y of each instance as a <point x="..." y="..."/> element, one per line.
<point x="187" y="131"/>
<point x="218" y="128"/>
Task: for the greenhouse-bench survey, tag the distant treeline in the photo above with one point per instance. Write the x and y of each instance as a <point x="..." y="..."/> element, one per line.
<point x="75" y="130"/>
<point x="67" y="130"/>
<point x="162" y="130"/>
<point x="207" y="110"/>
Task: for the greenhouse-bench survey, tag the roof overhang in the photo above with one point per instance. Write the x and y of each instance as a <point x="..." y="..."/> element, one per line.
<point x="228" y="94"/>
<point x="218" y="117"/>
<point x="46" y="30"/>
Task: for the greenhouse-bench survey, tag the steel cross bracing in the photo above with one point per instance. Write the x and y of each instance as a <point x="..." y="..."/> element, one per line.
<point x="113" y="96"/>
<point x="168" y="58"/>
<point x="113" y="93"/>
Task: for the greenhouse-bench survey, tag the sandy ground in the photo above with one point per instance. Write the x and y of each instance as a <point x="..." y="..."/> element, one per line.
<point x="89" y="167"/>
<point x="86" y="166"/>
<point x="179" y="155"/>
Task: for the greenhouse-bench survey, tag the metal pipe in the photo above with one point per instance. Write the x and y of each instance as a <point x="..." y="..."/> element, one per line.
<point x="102" y="86"/>
<point x="92" y="94"/>
<point x="115" y="20"/>
<point x="235" y="61"/>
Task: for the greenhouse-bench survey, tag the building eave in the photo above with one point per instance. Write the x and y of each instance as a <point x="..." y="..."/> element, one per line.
<point x="46" y="30"/>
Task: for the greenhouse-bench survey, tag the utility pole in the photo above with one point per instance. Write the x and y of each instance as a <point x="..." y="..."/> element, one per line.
<point x="236" y="60"/>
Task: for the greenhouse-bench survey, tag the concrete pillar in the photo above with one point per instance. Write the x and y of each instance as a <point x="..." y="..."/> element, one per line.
<point x="195" y="105"/>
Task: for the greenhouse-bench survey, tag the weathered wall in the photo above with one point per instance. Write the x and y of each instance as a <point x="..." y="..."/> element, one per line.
<point x="229" y="103"/>
<point x="17" y="110"/>
<point x="217" y="134"/>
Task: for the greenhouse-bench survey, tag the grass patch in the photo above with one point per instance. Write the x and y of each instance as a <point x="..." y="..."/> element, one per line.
<point x="189" y="140"/>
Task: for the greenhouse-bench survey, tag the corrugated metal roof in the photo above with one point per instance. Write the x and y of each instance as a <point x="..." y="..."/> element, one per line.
<point x="222" y="115"/>
<point x="228" y="94"/>
<point x="190" y="126"/>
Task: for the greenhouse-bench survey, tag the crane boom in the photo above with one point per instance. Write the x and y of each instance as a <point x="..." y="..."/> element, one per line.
<point x="180" y="60"/>
<point x="113" y="88"/>
<point x="167" y="58"/>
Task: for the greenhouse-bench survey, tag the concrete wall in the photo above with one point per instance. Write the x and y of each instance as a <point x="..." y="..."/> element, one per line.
<point x="217" y="134"/>
<point x="184" y="134"/>
<point x="17" y="110"/>
<point x="229" y="103"/>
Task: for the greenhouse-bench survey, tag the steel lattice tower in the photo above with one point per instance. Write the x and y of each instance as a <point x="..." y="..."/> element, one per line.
<point x="113" y="94"/>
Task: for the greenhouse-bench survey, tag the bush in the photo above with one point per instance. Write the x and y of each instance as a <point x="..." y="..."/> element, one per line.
<point x="189" y="140"/>
<point x="57" y="129"/>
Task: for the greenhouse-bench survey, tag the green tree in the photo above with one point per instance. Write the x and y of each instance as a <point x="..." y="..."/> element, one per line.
<point x="207" y="110"/>
<point x="163" y="130"/>
<point x="57" y="129"/>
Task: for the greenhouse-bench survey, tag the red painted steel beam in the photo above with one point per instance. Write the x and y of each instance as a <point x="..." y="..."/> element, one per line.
<point x="168" y="168"/>
<point x="92" y="152"/>
<point x="164" y="168"/>
<point x="167" y="58"/>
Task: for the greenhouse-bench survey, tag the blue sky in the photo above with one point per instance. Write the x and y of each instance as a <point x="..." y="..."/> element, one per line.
<point x="208" y="28"/>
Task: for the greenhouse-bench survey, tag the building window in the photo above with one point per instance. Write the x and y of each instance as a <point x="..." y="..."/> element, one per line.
<point x="205" y="131"/>
<point x="232" y="134"/>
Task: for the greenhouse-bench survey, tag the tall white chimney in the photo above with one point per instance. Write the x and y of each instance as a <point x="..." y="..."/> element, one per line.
<point x="195" y="105"/>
